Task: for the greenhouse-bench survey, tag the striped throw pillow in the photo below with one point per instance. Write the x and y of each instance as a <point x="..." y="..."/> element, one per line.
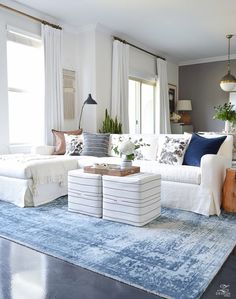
<point x="95" y="145"/>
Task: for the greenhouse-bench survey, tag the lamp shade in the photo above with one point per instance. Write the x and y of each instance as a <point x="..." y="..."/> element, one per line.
<point x="228" y="82"/>
<point x="90" y="100"/>
<point x="184" y="105"/>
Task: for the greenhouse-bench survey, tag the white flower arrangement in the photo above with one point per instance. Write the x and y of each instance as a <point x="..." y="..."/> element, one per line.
<point x="175" y="117"/>
<point x="129" y="148"/>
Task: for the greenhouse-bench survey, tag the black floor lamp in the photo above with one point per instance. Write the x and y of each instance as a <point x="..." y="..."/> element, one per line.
<point x="89" y="101"/>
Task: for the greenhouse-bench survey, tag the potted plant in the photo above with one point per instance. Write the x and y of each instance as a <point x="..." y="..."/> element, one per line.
<point x="227" y="113"/>
<point x="110" y="125"/>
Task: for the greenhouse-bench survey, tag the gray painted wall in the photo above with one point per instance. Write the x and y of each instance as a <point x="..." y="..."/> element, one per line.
<point x="200" y="83"/>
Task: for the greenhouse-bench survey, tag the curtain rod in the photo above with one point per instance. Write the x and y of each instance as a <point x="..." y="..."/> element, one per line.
<point x="31" y="17"/>
<point x="134" y="46"/>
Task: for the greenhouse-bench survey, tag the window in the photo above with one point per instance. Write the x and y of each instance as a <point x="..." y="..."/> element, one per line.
<point x="141" y="106"/>
<point x="25" y="66"/>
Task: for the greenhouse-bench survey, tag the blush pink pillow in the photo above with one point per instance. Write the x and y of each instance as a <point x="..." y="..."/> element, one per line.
<point x="60" y="146"/>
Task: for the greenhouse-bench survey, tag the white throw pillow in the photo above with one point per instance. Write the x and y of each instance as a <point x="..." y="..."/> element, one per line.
<point x="74" y="144"/>
<point x="146" y="152"/>
<point x="172" y="150"/>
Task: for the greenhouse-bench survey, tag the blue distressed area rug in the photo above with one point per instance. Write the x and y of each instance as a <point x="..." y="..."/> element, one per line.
<point x="175" y="256"/>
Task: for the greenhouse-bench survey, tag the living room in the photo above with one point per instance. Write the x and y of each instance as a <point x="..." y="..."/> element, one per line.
<point x="128" y="99"/>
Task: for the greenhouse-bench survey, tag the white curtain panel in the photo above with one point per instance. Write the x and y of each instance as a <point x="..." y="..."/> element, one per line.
<point x="162" y="99"/>
<point x="120" y="84"/>
<point x="52" y="39"/>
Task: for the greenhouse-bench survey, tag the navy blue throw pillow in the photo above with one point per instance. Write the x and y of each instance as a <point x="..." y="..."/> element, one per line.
<point x="200" y="146"/>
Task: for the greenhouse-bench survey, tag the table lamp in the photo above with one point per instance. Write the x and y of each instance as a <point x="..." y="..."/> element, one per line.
<point x="183" y="107"/>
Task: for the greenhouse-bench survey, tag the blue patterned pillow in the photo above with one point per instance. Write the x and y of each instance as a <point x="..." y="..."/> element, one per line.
<point x="95" y="145"/>
<point x="200" y="146"/>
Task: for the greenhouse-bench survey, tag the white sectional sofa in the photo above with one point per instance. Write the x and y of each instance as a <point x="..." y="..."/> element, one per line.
<point x="31" y="180"/>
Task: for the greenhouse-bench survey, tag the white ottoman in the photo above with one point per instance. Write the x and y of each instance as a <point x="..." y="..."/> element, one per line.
<point x="133" y="199"/>
<point x="85" y="193"/>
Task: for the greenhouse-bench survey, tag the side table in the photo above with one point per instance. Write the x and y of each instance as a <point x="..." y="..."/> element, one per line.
<point x="229" y="191"/>
<point x="180" y="128"/>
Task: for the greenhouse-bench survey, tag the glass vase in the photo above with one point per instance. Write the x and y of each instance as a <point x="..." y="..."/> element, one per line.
<point x="228" y="127"/>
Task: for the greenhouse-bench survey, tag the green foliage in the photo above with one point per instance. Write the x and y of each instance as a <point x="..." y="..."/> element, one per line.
<point x="130" y="157"/>
<point x="116" y="150"/>
<point x="225" y="112"/>
<point x="111" y="126"/>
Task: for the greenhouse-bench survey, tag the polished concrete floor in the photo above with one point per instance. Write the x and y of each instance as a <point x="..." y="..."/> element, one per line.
<point x="28" y="274"/>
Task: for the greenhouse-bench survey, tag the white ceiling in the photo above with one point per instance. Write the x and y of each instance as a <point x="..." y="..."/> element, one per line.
<point x="183" y="29"/>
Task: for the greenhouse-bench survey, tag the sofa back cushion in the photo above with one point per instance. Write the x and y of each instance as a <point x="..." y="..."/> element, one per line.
<point x="146" y="152"/>
<point x="226" y="148"/>
<point x="156" y="141"/>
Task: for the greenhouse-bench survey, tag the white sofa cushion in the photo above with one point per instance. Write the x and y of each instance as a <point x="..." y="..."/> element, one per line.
<point x="88" y="160"/>
<point x="175" y="173"/>
<point x="23" y="166"/>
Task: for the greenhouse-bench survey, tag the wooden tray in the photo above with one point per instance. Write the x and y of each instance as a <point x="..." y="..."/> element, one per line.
<point x="113" y="172"/>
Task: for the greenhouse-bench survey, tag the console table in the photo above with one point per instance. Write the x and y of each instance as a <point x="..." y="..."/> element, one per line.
<point x="180" y="128"/>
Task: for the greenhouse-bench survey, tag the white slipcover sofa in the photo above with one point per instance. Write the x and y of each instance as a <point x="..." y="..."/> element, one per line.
<point x="31" y="180"/>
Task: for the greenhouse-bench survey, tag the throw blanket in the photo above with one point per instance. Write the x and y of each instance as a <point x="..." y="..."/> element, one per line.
<point x="41" y="169"/>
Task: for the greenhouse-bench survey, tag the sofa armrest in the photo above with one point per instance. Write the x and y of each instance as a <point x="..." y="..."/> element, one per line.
<point x="42" y="150"/>
<point x="213" y="170"/>
<point x="4" y="149"/>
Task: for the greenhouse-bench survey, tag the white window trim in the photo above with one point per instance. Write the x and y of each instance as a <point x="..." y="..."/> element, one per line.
<point x="20" y="31"/>
<point x="149" y="82"/>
